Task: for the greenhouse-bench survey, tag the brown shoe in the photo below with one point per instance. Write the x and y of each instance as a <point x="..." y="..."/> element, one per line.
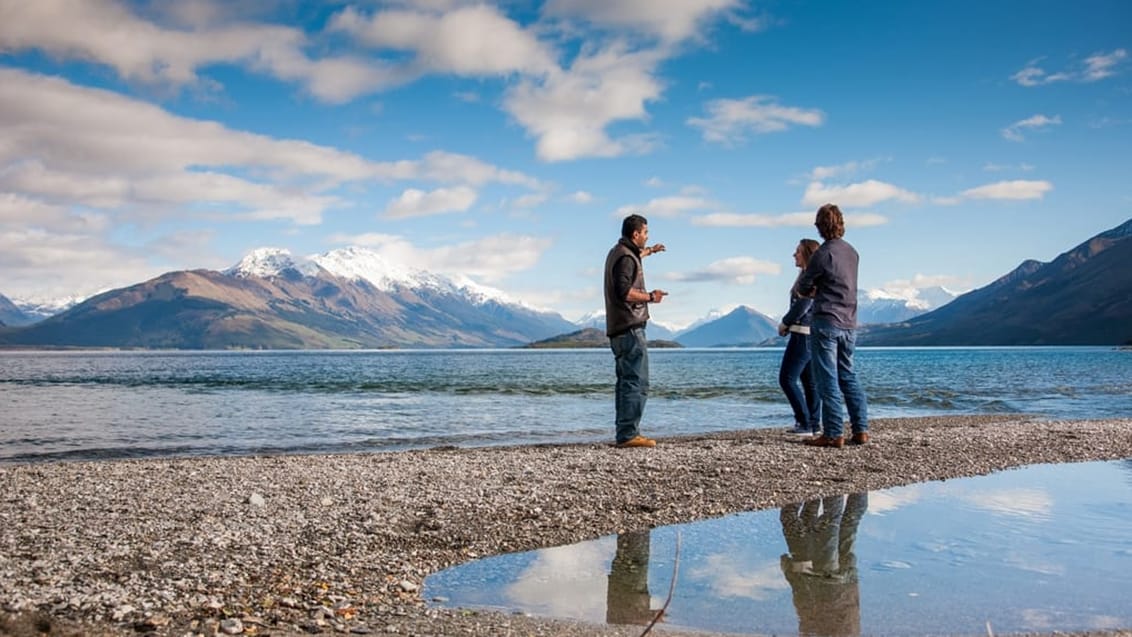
<point x="860" y="438"/>
<point x="826" y="441"/>
<point x="637" y="441"/>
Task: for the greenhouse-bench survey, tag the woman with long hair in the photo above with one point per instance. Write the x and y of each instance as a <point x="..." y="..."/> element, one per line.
<point x="795" y="375"/>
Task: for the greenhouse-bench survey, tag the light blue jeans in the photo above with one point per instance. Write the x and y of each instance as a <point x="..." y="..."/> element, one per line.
<point x="831" y="350"/>
<point x="631" y="354"/>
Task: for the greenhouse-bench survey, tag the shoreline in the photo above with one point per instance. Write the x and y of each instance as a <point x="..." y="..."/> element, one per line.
<point x="342" y="543"/>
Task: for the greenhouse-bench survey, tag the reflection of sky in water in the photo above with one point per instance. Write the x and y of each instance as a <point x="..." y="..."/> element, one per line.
<point x="1043" y="548"/>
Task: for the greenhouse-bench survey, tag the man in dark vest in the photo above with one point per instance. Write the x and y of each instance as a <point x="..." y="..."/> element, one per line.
<point x="626" y="313"/>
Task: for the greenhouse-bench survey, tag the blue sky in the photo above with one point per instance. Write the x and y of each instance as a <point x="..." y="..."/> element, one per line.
<point x="506" y="141"/>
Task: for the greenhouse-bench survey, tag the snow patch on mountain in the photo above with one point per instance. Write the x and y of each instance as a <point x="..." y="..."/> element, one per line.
<point x="362" y="263"/>
<point x="269" y="262"/>
<point x="921" y="299"/>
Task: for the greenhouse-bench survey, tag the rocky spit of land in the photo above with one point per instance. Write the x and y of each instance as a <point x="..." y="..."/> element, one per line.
<point x="289" y="545"/>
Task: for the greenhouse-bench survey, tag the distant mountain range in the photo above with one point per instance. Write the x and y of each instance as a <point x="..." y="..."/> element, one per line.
<point x="1083" y="297"/>
<point x="353" y="298"/>
<point x="348" y="298"/>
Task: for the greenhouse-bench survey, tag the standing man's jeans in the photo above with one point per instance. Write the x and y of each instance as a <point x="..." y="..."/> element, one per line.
<point x="832" y="360"/>
<point x="631" y="354"/>
<point x="796" y="367"/>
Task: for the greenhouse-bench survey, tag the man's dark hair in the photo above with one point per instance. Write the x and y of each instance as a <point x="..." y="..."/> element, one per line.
<point x="631" y="224"/>
<point x="830" y="223"/>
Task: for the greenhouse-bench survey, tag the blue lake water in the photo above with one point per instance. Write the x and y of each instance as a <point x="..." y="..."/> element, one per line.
<point x="90" y="405"/>
<point x="1040" y="549"/>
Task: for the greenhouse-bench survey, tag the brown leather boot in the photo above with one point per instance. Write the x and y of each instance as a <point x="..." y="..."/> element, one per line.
<point x="860" y="438"/>
<point x="826" y="441"/>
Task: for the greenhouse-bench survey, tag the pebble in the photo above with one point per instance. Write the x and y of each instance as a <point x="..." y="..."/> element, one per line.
<point x="84" y="545"/>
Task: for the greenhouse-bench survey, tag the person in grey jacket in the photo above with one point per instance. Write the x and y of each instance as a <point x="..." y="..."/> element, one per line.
<point x="626" y="314"/>
<point x="795" y="374"/>
<point x="831" y="276"/>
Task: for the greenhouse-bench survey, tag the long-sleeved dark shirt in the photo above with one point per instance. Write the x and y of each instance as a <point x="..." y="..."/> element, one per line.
<point x="832" y="271"/>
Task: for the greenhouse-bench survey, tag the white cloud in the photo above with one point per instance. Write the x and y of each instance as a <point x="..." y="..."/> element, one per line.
<point x="669" y="20"/>
<point x="491" y="258"/>
<point x="581" y="197"/>
<point x="821" y="173"/>
<point x="1095" y="67"/>
<point x="733" y="270"/>
<point x="568" y="111"/>
<point x="1035" y="122"/>
<point x="790" y="219"/>
<point x="751" y="220"/>
<point x="664" y="207"/>
<point x="729" y="120"/>
<point x="472" y="40"/>
<point x="80" y="146"/>
<point x="654" y="182"/>
<point x="48" y="265"/>
<point x="1102" y="65"/>
<point x="866" y="193"/>
<point x="1016" y="190"/>
<point x="864" y="219"/>
<point x="992" y="167"/>
<point x="107" y="32"/>
<point x="418" y="203"/>
<point x="76" y="161"/>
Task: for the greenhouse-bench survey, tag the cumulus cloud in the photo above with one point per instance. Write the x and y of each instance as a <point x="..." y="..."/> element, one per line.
<point x="821" y="173"/>
<point x="569" y="111"/>
<point x="728" y="121"/>
<point x="419" y="203"/>
<point x="734" y="270"/>
<point x="88" y="147"/>
<point x="752" y="220"/>
<point x="1035" y="122"/>
<point x="665" y="207"/>
<point x="107" y="32"/>
<point x="491" y="258"/>
<point x="76" y="161"/>
<point x="1019" y="189"/>
<point x="790" y="219"/>
<point x="668" y="20"/>
<point x="866" y="193"/>
<point x="1095" y="67"/>
<point x="471" y="40"/>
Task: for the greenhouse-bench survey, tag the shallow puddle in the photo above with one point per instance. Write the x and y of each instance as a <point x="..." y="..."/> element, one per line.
<point x="1043" y="548"/>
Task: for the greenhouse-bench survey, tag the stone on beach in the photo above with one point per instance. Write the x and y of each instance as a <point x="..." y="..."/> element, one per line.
<point x="188" y="545"/>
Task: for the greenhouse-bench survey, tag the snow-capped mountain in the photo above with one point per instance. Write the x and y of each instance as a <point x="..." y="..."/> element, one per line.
<point x="350" y="298"/>
<point x="368" y="265"/>
<point x="885" y="306"/>
<point x="269" y="262"/>
<point x="16" y="312"/>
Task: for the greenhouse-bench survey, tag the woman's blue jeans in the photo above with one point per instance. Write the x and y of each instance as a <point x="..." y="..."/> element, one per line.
<point x="631" y="355"/>
<point x="796" y="378"/>
<point x="832" y="360"/>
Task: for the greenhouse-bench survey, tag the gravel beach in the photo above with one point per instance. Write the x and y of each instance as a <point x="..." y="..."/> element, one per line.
<point x="288" y="545"/>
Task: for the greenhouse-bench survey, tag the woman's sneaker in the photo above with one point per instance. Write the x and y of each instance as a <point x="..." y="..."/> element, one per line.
<point x="799" y="430"/>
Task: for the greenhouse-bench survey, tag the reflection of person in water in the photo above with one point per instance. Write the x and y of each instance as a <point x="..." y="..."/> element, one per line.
<point x="627" y="596"/>
<point x="821" y="566"/>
